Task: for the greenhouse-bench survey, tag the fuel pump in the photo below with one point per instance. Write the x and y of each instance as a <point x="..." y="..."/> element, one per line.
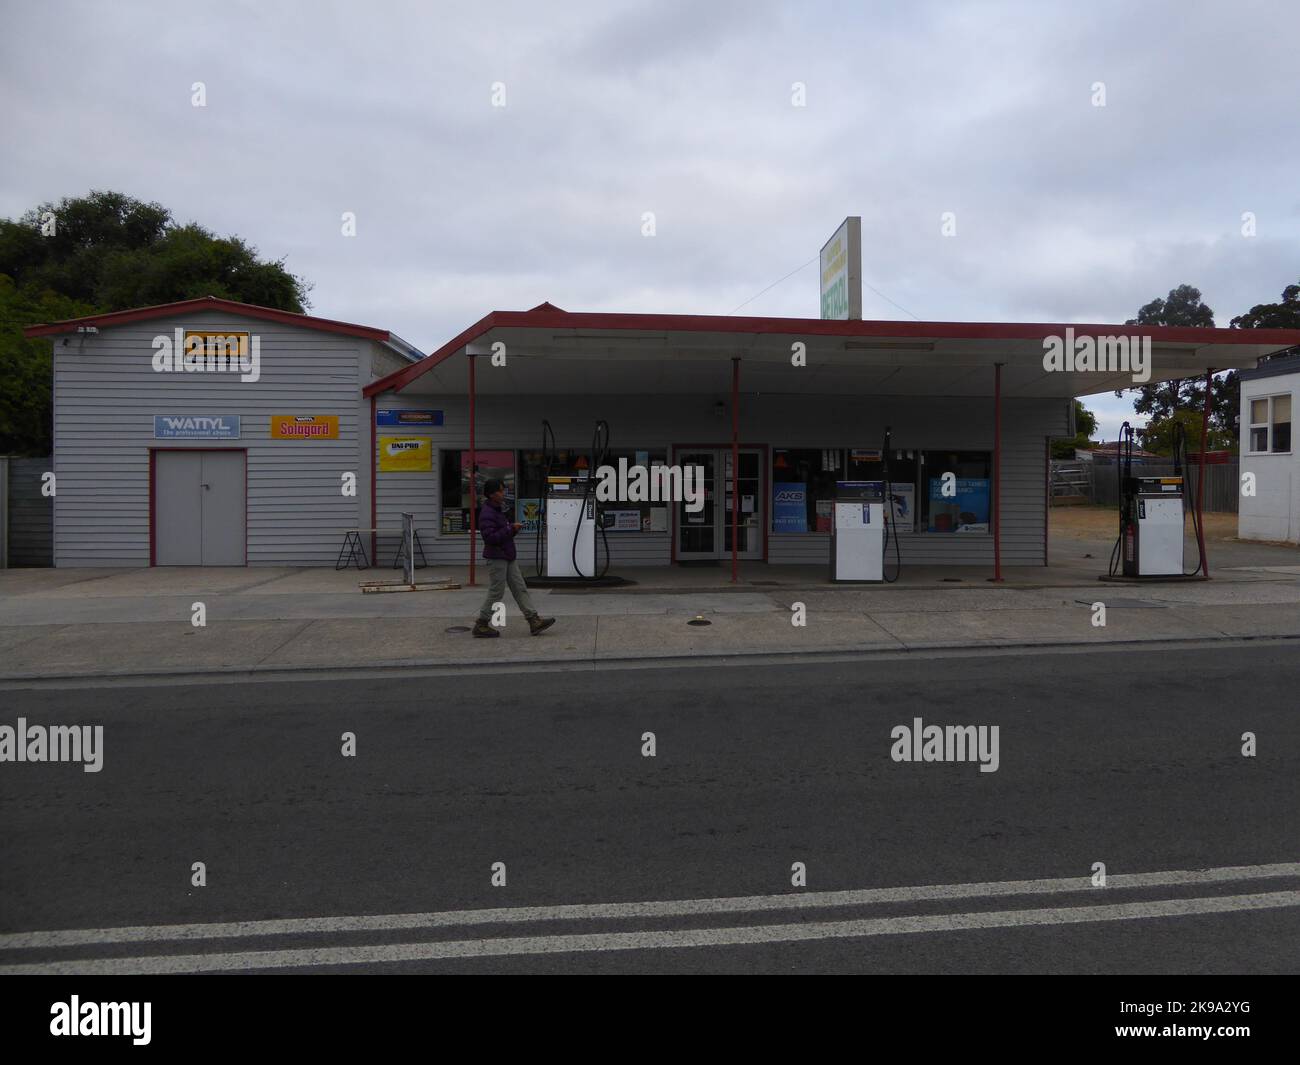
<point x="862" y="527"/>
<point x="858" y="531"/>
<point x="1152" y="514"/>
<point x="571" y="514"/>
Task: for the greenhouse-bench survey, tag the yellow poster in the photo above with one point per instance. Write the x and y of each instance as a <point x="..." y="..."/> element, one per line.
<point x="304" y="426"/>
<point x="405" y="454"/>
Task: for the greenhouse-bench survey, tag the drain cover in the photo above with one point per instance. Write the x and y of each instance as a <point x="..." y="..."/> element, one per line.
<point x="699" y="621"/>
<point x="457" y="628"/>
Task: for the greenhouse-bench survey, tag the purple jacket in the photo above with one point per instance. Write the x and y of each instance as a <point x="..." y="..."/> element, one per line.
<point x="498" y="536"/>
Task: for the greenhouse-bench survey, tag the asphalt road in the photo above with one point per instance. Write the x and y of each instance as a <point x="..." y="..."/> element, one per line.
<point x="1128" y="758"/>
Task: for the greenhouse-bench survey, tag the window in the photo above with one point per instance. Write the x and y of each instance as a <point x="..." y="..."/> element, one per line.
<point x="454" y="483"/>
<point x="1270" y="424"/>
<point x="618" y="516"/>
<point x="633" y="517"/>
<point x="866" y="464"/>
<point x="959" y="502"/>
<point x="803" y="488"/>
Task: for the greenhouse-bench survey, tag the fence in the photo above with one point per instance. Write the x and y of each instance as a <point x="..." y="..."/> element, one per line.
<point x="26" y="515"/>
<point x="1222" y="483"/>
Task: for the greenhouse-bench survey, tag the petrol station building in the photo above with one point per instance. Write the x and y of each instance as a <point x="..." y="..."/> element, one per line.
<point x="349" y="427"/>
<point x="973" y="399"/>
<point x="346" y="427"/>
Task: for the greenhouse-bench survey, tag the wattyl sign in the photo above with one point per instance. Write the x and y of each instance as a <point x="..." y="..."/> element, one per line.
<point x="196" y="426"/>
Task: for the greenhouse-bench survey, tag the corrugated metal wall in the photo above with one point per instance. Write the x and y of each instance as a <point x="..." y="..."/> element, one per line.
<point x="28" y="513"/>
<point x="106" y="394"/>
<point x="658" y="422"/>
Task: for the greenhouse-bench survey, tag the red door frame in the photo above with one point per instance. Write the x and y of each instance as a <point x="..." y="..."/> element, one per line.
<point x="153" y="553"/>
<point x="763" y="473"/>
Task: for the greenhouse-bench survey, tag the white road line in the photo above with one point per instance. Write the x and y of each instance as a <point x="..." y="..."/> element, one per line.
<point x="618" y="910"/>
<point x="653" y="940"/>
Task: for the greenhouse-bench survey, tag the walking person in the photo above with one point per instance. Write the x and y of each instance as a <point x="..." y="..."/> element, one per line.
<point x="499" y="550"/>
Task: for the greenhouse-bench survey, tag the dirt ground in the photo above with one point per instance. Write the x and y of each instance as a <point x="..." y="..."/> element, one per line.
<point x="1090" y="522"/>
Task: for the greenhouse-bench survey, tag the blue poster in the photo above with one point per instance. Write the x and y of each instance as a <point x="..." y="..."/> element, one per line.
<point x="966" y="511"/>
<point x="196" y="426"/>
<point x="408" y="416"/>
<point x="790" y="507"/>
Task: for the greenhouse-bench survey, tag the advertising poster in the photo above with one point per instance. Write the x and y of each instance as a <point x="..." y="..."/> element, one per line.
<point x="498" y="465"/>
<point x="528" y="513"/>
<point x="196" y="426"/>
<point x="304" y="426"/>
<point x="789" y="507"/>
<point x="903" y="497"/>
<point x="405" y="454"/>
<point x="825" y="514"/>
<point x="408" y="416"/>
<point x="967" y="511"/>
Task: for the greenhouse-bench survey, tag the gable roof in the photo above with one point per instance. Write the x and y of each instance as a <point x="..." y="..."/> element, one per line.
<point x="1244" y="345"/>
<point x="244" y="310"/>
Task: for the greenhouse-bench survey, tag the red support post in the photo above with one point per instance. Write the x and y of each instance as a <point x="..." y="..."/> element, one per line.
<point x="1200" y="474"/>
<point x="997" y="472"/>
<point x="735" y="469"/>
<point x="473" y="465"/>
<point x="374" y="477"/>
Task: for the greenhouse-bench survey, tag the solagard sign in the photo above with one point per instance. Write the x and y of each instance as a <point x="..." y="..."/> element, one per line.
<point x="841" y="272"/>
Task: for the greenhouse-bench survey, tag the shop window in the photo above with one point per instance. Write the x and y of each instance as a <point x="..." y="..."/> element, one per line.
<point x="803" y="488"/>
<point x="454" y="483"/>
<point x="955" y="491"/>
<point x="623" y="516"/>
<point x="1270" y="424"/>
<point x="866" y="464"/>
<point x="618" y="516"/>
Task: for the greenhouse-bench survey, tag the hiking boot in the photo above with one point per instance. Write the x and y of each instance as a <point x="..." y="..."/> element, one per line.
<point x="482" y="628"/>
<point x="538" y="624"/>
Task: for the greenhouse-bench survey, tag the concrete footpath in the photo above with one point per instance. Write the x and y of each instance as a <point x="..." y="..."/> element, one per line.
<point x="88" y="623"/>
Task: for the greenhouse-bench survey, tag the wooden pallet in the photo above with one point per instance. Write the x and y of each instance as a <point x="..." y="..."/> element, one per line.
<point x="373" y="587"/>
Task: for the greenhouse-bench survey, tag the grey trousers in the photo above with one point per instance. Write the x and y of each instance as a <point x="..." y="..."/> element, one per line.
<point x="501" y="573"/>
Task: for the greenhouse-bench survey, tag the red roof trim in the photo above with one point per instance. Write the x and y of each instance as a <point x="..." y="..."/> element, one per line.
<point x="399" y="379"/>
<point x="710" y="323"/>
<point x="206" y="303"/>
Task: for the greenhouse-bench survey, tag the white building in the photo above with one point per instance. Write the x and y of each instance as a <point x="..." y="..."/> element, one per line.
<point x="1267" y="400"/>
<point x="342" y="427"/>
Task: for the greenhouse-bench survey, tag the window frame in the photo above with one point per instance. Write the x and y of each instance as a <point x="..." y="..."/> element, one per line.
<point x="1269" y="426"/>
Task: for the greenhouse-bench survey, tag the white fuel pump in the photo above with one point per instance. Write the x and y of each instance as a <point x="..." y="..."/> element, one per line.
<point x="1152" y="515"/>
<point x="570" y="533"/>
<point x="858" y="537"/>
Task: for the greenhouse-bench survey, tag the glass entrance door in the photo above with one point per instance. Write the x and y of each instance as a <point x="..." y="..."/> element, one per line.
<point x="706" y="533"/>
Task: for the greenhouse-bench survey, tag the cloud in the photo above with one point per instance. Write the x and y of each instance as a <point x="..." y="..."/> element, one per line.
<point x="1065" y="211"/>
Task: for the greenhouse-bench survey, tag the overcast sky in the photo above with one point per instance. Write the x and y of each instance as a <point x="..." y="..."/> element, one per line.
<point x="1065" y="211"/>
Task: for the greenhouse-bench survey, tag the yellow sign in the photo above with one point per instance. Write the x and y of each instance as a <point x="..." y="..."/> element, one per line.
<point x="304" y="426"/>
<point x="405" y="454"/>
<point x="216" y="344"/>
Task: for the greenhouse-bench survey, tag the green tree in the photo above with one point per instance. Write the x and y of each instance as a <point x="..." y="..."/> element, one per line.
<point x="1283" y="315"/>
<point x="1085" y="424"/>
<point x="1184" y="307"/>
<point x="107" y="252"/>
<point x="1158" y="436"/>
<point x="25" y="366"/>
